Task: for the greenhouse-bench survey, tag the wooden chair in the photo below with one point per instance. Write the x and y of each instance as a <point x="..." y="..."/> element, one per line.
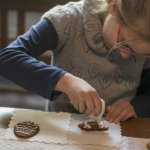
<point x="22" y="6"/>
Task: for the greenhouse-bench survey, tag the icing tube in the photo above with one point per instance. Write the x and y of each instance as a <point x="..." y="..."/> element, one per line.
<point x="97" y="119"/>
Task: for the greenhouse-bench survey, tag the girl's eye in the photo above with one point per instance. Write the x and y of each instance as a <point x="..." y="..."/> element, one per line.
<point x="122" y="39"/>
<point x="127" y="46"/>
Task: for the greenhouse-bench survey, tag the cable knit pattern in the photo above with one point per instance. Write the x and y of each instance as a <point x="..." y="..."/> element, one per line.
<point x="81" y="52"/>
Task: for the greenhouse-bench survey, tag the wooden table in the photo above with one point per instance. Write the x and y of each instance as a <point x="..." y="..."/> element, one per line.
<point x="134" y="127"/>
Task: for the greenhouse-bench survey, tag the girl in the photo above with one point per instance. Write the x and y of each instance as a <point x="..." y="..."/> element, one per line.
<point x="100" y="49"/>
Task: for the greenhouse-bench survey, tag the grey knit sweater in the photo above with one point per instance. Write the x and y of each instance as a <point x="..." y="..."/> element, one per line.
<point x="81" y="52"/>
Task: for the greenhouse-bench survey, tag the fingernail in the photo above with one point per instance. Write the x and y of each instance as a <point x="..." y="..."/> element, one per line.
<point x="116" y="121"/>
<point x="111" y="119"/>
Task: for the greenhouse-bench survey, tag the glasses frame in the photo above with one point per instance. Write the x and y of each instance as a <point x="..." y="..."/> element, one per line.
<point x="128" y="50"/>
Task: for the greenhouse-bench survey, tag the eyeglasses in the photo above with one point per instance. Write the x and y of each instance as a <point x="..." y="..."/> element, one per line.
<point x="124" y="48"/>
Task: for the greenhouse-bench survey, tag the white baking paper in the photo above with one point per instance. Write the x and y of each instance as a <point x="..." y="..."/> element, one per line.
<point x="128" y="143"/>
<point x="111" y="138"/>
<point x="53" y="126"/>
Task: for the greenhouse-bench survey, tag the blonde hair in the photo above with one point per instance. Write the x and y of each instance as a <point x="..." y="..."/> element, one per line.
<point x="133" y="13"/>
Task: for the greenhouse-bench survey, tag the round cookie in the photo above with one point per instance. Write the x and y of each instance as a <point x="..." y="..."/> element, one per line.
<point x="92" y="126"/>
<point x="26" y="129"/>
<point x="148" y="146"/>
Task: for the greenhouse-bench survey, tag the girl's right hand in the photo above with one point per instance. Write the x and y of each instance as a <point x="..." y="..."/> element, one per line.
<point x="81" y="94"/>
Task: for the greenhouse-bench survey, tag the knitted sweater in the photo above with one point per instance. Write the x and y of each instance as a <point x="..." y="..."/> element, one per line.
<point x="81" y="52"/>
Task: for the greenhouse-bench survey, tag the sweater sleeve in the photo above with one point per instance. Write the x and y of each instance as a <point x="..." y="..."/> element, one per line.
<point x="18" y="61"/>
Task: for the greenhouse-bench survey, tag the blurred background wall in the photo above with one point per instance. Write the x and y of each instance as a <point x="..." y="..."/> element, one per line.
<point x="31" y="18"/>
<point x="11" y="95"/>
<point x="16" y="17"/>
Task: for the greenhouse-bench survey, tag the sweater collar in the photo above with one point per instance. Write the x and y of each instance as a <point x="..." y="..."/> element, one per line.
<point x="93" y="28"/>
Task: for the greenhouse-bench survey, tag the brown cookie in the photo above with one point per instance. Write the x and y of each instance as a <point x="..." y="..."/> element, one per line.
<point x="148" y="146"/>
<point x="92" y="126"/>
<point x="26" y="129"/>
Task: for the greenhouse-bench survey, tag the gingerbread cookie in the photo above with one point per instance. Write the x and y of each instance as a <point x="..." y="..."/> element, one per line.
<point x="92" y="126"/>
<point x="26" y="129"/>
<point x="148" y="146"/>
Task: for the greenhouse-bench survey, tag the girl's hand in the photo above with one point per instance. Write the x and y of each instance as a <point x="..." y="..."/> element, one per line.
<point x="121" y="110"/>
<point x="81" y="94"/>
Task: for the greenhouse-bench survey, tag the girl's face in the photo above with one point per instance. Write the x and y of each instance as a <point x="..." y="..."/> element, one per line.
<point x="110" y="31"/>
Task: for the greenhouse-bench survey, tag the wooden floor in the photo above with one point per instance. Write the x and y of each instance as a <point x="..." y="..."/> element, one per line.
<point x="22" y="100"/>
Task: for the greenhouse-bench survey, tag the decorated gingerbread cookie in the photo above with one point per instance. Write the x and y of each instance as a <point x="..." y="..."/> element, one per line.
<point x="93" y="126"/>
<point x="148" y="146"/>
<point x="26" y="129"/>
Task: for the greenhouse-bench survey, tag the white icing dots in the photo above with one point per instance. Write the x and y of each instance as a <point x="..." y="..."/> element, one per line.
<point x="87" y="125"/>
<point x="102" y="125"/>
<point x="26" y="127"/>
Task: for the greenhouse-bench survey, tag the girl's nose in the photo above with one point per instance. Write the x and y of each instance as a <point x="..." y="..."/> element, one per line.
<point x="125" y="55"/>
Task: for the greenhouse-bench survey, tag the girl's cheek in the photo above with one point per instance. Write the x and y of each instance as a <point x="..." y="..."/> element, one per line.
<point x="108" y="43"/>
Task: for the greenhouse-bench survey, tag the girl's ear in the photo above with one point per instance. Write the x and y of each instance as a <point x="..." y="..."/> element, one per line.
<point x="112" y="7"/>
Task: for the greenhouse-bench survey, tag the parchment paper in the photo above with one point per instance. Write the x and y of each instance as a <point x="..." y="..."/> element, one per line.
<point x="53" y="126"/>
<point x="63" y="128"/>
<point x="127" y="144"/>
<point x="111" y="138"/>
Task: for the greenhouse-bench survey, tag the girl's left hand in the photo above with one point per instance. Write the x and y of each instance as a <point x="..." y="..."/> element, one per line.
<point x="121" y="110"/>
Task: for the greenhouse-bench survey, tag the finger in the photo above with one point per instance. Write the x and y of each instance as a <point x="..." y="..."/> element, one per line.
<point x="129" y="115"/>
<point x="98" y="104"/>
<point x="123" y="108"/>
<point x="90" y="106"/>
<point x="124" y="112"/>
<point x="108" y="108"/>
<point x="107" y="115"/>
<point x="82" y="106"/>
<point x="75" y="104"/>
<point x="113" y="108"/>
